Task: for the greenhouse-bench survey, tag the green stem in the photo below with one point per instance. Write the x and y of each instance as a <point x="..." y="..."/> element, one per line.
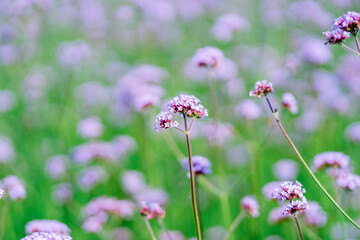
<point x="349" y="49"/>
<point x="298" y="227"/>
<point x="150" y="229"/>
<point x="357" y="42"/>
<point x="192" y="183"/>
<point x="308" y="168"/>
<point x="234" y="225"/>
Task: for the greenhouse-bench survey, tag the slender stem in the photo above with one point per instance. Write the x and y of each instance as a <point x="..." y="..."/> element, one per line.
<point x="234" y="225"/>
<point x="179" y="129"/>
<point x="298" y="227"/>
<point x="198" y="202"/>
<point x="150" y="229"/>
<point x="308" y="168"/>
<point x="357" y="42"/>
<point x="164" y="228"/>
<point x="191" y="123"/>
<point x="192" y="183"/>
<point x="349" y="49"/>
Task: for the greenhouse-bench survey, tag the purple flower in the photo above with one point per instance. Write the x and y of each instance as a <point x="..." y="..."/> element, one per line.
<point x="289" y="102"/>
<point x="349" y="22"/>
<point x="261" y="88"/>
<point x="95" y="223"/>
<point x="296" y="207"/>
<point x="226" y="25"/>
<point x="7" y="152"/>
<point x="152" y="195"/>
<point x="286" y="169"/>
<point x="122" y="233"/>
<point x="7" y="100"/>
<point x="201" y="165"/>
<point x="289" y="191"/>
<point x="72" y="55"/>
<point x="218" y="133"/>
<point x="152" y="210"/>
<point x="48" y="226"/>
<point x="276" y="215"/>
<point x="90" y="177"/>
<point x="348" y="180"/>
<point x="353" y="132"/>
<point x="209" y="57"/>
<point x="46" y="236"/>
<point x="56" y="166"/>
<point x="315" y="216"/>
<point x="14" y="187"/>
<point x="164" y="121"/>
<point x="248" y="109"/>
<point x="90" y="127"/>
<point x="62" y="193"/>
<point x="188" y="105"/>
<point x="336" y="36"/>
<point x="2" y="193"/>
<point x="270" y="188"/>
<point x="250" y="205"/>
<point x="133" y="182"/>
<point x="331" y="159"/>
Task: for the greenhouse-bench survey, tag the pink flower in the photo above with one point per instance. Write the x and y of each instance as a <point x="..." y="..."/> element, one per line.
<point x="152" y="210"/>
<point x="261" y="88"/>
<point x="315" y="216"/>
<point x="48" y="226"/>
<point x="296" y="207"/>
<point x="188" y="105"/>
<point x="209" y="57"/>
<point x="14" y="187"/>
<point x="227" y="25"/>
<point x="90" y="127"/>
<point x="250" y="205"/>
<point x="62" y="193"/>
<point x="336" y="36"/>
<point x="331" y="159"/>
<point x="164" y="121"/>
<point x="289" y="102"/>
<point x="288" y="191"/>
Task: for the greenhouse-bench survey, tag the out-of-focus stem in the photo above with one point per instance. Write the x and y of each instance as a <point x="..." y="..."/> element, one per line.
<point x="349" y="49"/>
<point x="234" y="225"/>
<point x="164" y="228"/>
<point x="198" y="202"/>
<point x="298" y="227"/>
<point x="307" y="167"/>
<point x="192" y="183"/>
<point x="357" y="42"/>
<point x="150" y="229"/>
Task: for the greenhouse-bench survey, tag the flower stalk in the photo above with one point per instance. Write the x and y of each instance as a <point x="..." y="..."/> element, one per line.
<point x="234" y="224"/>
<point x="275" y="114"/>
<point x="150" y="229"/>
<point x="298" y="227"/>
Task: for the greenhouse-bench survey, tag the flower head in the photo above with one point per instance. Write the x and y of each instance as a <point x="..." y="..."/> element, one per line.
<point x="201" y="165"/>
<point x="336" y="36"/>
<point x="289" y="102"/>
<point x="164" y="121"/>
<point x="188" y="105"/>
<point x="349" y="22"/>
<point x="46" y="236"/>
<point x="250" y="205"/>
<point x="331" y="159"/>
<point x="48" y="226"/>
<point x="14" y="187"/>
<point x="288" y="191"/>
<point x="207" y="57"/>
<point x="152" y="210"/>
<point x="261" y="88"/>
<point x="295" y="207"/>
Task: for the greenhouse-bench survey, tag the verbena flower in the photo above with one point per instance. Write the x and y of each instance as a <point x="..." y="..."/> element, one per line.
<point x="207" y="57"/>
<point x="46" y="236"/>
<point x="348" y="180"/>
<point x="90" y="127"/>
<point x="188" y="105"/>
<point x="336" y="36"/>
<point x="289" y="102"/>
<point x="152" y="210"/>
<point x="349" y="22"/>
<point x="295" y="207"/>
<point x="261" y="88"/>
<point x="286" y="169"/>
<point x="289" y="191"/>
<point x="269" y="189"/>
<point x="353" y="132"/>
<point x="56" y="166"/>
<point x="201" y="165"/>
<point x="316" y="216"/>
<point x="164" y="121"/>
<point x="250" y="205"/>
<point x="48" y="226"/>
<point x="63" y="193"/>
<point x="14" y="187"/>
<point x="331" y="159"/>
<point x="276" y="215"/>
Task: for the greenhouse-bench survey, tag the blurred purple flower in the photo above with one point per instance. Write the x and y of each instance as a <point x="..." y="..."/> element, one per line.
<point x="227" y="25"/>
<point x="95" y="223"/>
<point x="90" y="177"/>
<point x="93" y="94"/>
<point x="9" y="53"/>
<point x="62" y="193"/>
<point x="347" y="180"/>
<point x="56" y="166"/>
<point x="201" y="165"/>
<point x="90" y="127"/>
<point x="7" y="100"/>
<point x="209" y="57"/>
<point x="276" y="215"/>
<point x="6" y="150"/>
<point x="313" y="50"/>
<point x="269" y="189"/>
<point x="48" y="226"/>
<point x="250" y="205"/>
<point x="315" y="216"/>
<point x="93" y="18"/>
<point x="72" y="55"/>
<point x="353" y="132"/>
<point x="286" y="169"/>
<point x="174" y="235"/>
<point x="152" y="195"/>
<point x="218" y="133"/>
<point x="248" y="109"/>
<point x="289" y="102"/>
<point x="133" y="182"/>
<point x="14" y="187"/>
<point x="331" y="159"/>
<point x="122" y="233"/>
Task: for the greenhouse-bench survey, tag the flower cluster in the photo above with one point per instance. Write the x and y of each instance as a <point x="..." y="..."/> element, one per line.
<point x="250" y="205"/>
<point x="14" y="187"/>
<point x="152" y="210"/>
<point x="207" y="57"/>
<point x="289" y="102"/>
<point x="336" y="36"/>
<point x="343" y="26"/>
<point x="47" y="226"/>
<point x="331" y="159"/>
<point x="294" y="193"/>
<point x="46" y="236"/>
<point x="261" y="88"/>
<point x="187" y="105"/>
<point x="201" y="165"/>
<point x="164" y="121"/>
<point x="349" y="22"/>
